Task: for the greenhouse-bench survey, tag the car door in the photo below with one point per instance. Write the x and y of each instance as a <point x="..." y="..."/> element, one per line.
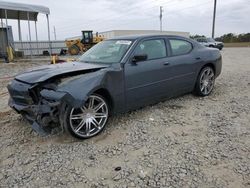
<point x="147" y="81"/>
<point x="182" y="69"/>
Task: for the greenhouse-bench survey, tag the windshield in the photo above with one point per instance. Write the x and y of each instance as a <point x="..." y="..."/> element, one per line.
<point x="109" y="51"/>
<point x="210" y="40"/>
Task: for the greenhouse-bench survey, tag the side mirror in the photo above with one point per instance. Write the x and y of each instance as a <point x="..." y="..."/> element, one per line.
<point x="141" y="57"/>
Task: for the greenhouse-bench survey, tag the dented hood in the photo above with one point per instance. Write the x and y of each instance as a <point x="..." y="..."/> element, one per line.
<point x="46" y="72"/>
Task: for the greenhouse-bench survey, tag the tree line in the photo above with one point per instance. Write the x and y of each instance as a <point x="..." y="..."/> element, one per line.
<point x="229" y="38"/>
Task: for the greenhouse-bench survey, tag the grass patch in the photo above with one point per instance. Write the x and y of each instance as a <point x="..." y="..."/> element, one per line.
<point x="237" y="44"/>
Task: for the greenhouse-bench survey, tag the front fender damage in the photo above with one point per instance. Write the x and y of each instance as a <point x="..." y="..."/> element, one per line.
<point x="49" y="109"/>
<point x="45" y="113"/>
<point x="53" y="97"/>
<point x="79" y="89"/>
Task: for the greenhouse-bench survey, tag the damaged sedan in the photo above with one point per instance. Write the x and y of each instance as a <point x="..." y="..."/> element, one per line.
<point x="115" y="76"/>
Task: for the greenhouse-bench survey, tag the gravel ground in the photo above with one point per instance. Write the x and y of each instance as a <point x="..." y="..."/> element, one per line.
<point x="182" y="142"/>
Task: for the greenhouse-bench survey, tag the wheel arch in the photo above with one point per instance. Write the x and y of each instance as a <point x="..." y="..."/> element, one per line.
<point x="106" y="94"/>
<point x="208" y="65"/>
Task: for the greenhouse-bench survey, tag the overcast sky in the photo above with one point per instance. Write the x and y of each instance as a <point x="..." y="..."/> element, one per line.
<point x="195" y="16"/>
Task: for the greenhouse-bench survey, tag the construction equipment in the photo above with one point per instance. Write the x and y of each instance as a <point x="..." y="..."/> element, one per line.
<point x="76" y="46"/>
<point x="55" y="59"/>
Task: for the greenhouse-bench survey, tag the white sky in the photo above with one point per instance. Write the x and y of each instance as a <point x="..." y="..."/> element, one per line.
<point x="194" y="16"/>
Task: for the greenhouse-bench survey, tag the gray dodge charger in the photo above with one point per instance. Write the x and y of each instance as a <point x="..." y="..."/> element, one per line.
<point x="114" y="76"/>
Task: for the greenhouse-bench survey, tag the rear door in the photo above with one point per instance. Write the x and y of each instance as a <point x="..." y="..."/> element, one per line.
<point x="182" y="61"/>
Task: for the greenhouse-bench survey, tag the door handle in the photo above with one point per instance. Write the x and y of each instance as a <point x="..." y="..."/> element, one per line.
<point x="197" y="58"/>
<point x="166" y="63"/>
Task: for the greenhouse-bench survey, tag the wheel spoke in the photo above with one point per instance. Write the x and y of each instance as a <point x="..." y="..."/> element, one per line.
<point x="205" y="90"/>
<point x="208" y="72"/>
<point x="202" y="77"/>
<point x="83" y="109"/>
<point x="100" y="115"/>
<point x="76" y="116"/>
<point x="88" y="127"/>
<point x="210" y="85"/>
<point x="202" y="87"/>
<point x="100" y="105"/>
<point x="95" y="123"/>
<point x="91" y="103"/>
<point x="81" y="124"/>
<point x="210" y="76"/>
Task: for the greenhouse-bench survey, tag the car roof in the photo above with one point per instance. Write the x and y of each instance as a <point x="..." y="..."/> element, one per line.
<point x="135" y="37"/>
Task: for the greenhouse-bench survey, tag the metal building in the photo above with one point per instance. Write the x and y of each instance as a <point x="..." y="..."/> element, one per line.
<point x="20" y="11"/>
<point x="5" y="35"/>
<point x="117" y="33"/>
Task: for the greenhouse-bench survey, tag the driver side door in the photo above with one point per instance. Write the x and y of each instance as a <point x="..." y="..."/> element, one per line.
<point x="147" y="81"/>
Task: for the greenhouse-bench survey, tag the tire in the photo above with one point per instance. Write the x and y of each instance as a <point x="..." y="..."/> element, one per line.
<point x="89" y="120"/>
<point x="205" y="82"/>
<point x="74" y="50"/>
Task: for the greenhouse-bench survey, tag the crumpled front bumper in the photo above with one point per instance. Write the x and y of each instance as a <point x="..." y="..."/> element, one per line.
<point x="37" y="115"/>
<point x="40" y="113"/>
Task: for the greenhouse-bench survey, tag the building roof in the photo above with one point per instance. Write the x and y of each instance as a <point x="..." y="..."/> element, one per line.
<point x="140" y="36"/>
<point x="20" y="10"/>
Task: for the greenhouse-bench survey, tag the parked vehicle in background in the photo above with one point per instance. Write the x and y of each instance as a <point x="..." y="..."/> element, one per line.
<point x="114" y="76"/>
<point x="210" y="42"/>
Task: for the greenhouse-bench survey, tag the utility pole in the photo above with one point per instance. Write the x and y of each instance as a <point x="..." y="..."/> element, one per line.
<point x="215" y="2"/>
<point x="161" y="10"/>
<point x="55" y="32"/>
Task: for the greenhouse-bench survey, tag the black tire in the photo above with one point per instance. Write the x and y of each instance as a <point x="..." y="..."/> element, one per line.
<point x="68" y="121"/>
<point x="201" y="84"/>
<point x="74" y="50"/>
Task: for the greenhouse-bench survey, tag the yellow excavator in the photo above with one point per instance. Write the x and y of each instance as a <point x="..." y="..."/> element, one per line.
<point x="78" y="46"/>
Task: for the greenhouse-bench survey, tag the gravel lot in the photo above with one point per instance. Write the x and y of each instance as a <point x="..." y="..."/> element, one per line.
<point x="182" y="142"/>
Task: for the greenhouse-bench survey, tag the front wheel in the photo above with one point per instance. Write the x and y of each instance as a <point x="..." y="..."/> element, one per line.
<point x="74" y="50"/>
<point x="205" y="82"/>
<point x="89" y="120"/>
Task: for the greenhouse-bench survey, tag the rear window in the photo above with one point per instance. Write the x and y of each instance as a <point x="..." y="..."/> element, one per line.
<point x="180" y="47"/>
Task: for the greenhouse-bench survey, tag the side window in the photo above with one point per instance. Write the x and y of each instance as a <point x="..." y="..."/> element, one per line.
<point x="180" y="47"/>
<point x="154" y="49"/>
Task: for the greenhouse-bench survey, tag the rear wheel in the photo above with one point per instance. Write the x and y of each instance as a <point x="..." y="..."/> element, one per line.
<point x="90" y="119"/>
<point x="205" y="82"/>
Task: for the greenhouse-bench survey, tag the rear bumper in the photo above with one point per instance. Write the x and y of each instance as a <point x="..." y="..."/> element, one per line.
<point x="218" y="67"/>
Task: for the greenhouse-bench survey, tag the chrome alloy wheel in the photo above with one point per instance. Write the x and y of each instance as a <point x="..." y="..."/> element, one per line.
<point x="91" y="118"/>
<point x="207" y="81"/>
